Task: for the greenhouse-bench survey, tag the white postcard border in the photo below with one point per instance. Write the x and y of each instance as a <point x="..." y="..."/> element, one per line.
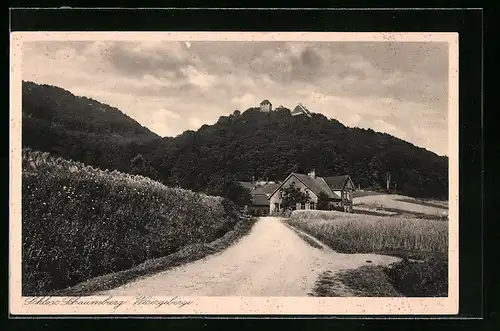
<point x="230" y="305"/>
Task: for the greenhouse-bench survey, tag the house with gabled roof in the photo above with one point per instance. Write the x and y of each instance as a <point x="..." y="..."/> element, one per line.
<point x="300" y="109"/>
<point x="260" y="191"/>
<point x="338" y="189"/>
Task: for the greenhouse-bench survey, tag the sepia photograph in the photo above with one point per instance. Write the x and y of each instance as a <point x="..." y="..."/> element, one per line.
<point x="222" y="173"/>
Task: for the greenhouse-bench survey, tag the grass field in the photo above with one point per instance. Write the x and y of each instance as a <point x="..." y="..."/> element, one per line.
<point x="79" y="222"/>
<point x="353" y="233"/>
<point x="363" y="193"/>
<point x="392" y="204"/>
<point x="421" y="243"/>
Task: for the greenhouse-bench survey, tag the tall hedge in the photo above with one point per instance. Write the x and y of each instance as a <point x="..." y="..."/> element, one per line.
<point x="79" y="222"/>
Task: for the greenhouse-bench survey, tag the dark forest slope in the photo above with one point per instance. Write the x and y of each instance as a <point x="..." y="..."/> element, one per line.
<point x="271" y="145"/>
<point x="237" y="147"/>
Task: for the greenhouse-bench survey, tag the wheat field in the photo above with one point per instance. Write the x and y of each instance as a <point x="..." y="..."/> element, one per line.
<point x="356" y="233"/>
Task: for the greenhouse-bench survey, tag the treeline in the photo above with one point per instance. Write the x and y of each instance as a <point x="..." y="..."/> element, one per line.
<point x="61" y="107"/>
<point x="243" y="146"/>
<point x="80" y="222"/>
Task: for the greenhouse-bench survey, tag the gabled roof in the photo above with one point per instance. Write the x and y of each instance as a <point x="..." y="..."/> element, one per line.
<point x="301" y="109"/>
<point x="260" y="193"/>
<point x="260" y="200"/>
<point x="266" y="189"/>
<point x="316" y="185"/>
<point x="337" y="182"/>
<point x="265" y="102"/>
<point x="259" y="188"/>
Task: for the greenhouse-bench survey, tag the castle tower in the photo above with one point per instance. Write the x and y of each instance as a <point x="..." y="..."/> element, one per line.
<point x="266" y="106"/>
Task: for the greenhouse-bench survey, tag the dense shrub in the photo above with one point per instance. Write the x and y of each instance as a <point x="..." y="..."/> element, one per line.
<point x="427" y="278"/>
<point x="79" y="222"/>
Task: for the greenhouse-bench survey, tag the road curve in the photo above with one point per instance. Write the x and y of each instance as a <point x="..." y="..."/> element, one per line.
<point x="272" y="260"/>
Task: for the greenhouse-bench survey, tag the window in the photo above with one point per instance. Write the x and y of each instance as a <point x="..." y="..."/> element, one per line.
<point x="311" y="205"/>
<point x="276" y="206"/>
<point x="303" y="205"/>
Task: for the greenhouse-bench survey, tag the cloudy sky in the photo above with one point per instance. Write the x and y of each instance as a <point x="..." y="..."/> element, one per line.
<point x="400" y="88"/>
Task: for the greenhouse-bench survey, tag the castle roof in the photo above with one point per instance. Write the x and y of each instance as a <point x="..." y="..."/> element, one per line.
<point x="265" y="102"/>
<point x="301" y="109"/>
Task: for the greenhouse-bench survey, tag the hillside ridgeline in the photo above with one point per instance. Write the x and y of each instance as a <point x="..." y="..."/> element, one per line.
<point x="236" y="147"/>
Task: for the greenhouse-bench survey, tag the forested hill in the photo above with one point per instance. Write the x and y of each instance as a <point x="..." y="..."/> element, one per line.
<point x="237" y="147"/>
<point x="81" y="129"/>
<point x="60" y="107"/>
<point x="271" y="145"/>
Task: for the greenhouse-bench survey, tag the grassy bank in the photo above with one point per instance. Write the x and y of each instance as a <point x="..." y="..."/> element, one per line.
<point x="187" y="254"/>
<point x="421" y="243"/>
<point x="79" y="222"/>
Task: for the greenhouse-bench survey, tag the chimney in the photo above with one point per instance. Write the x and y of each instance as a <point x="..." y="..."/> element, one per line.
<point x="312" y="174"/>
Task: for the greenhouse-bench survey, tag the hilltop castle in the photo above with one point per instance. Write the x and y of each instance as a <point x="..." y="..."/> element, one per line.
<point x="300" y="109"/>
<point x="266" y="106"/>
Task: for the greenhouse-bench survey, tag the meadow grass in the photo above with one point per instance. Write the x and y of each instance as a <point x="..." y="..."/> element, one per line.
<point x="356" y="233"/>
<point x="423" y="245"/>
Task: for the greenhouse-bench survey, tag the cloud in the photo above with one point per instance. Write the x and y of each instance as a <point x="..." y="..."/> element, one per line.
<point x="200" y="79"/>
<point x="352" y="119"/>
<point x="161" y="120"/>
<point x="398" y="88"/>
<point x="245" y="100"/>
<point x="381" y="125"/>
<point x="194" y="123"/>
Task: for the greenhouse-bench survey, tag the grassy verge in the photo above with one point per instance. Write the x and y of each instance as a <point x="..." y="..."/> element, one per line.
<point x="185" y="255"/>
<point x="367" y="281"/>
<point x="426" y="203"/>
<point x="413" y="214"/>
<point x="374" y="210"/>
<point x="422" y="244"/>
<point x="305" y="237"/>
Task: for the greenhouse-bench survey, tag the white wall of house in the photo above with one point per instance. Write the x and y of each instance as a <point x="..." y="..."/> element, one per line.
<point x="275" y="200"/>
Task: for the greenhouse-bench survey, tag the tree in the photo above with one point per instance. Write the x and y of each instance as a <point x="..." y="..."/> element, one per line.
<point x="251" y="143"/>
<point x="293" y="195"/>
<point x="140" y="166"/>
<point x="323" y="201"/>
<point x="227" y="187"/>
<point x="238" y="194"/>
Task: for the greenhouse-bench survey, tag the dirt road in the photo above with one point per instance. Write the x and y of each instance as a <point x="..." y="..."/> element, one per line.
<point x="272" y="260"/>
